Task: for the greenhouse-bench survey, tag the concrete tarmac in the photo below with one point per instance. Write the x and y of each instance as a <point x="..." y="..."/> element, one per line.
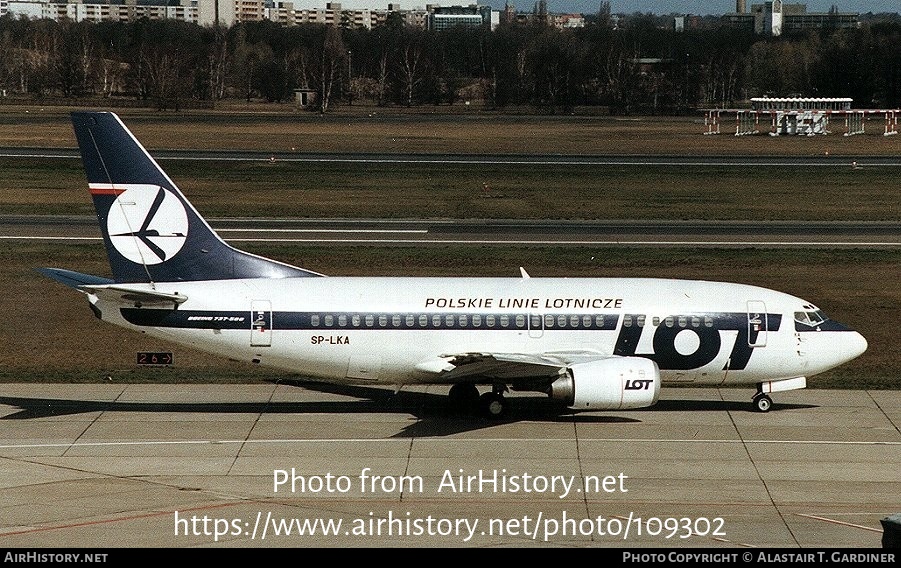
<point x="111" y="465"/>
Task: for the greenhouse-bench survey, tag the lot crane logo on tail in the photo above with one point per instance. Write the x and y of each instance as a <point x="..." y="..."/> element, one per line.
<point x="146" y="224"/>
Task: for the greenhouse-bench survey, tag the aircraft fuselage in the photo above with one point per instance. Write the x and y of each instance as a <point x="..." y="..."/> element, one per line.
<point x="388" y="329"/>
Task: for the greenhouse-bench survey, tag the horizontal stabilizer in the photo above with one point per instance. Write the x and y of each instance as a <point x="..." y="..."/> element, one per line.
<point x="133" y="296"/>
<point x="73" y="279"/>
<point x="109" y="290"/>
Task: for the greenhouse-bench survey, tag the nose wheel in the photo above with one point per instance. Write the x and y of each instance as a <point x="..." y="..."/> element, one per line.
<point x="762" y="402"/>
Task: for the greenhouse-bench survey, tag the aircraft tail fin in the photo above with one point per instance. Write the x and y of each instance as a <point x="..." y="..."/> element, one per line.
<point x="151" y="232"/>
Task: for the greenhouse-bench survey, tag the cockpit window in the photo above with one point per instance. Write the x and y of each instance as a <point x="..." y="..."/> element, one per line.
<point x="812" y="318"/>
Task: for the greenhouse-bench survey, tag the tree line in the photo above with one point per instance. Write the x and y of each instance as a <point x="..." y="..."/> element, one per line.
<point x="639" y="67"/>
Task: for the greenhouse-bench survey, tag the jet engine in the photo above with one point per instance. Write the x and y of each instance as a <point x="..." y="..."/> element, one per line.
<point x="609" y="384"/>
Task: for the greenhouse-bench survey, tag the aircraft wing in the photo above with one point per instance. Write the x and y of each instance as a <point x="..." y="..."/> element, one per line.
<point x="507" y="366"/>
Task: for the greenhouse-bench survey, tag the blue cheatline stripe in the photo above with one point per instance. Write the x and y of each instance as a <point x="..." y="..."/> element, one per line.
<point x="412" y="321"/>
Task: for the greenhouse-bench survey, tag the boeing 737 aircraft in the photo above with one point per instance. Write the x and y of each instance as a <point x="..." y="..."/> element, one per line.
<point x="593" y="344"/>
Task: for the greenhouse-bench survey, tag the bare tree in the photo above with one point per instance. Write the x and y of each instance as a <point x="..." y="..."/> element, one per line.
<point x="410" y="67"/>
<point x="410" y="70"/>
<point x="218" y="63"/>
<point x="41" y="50"/>
<point x="383" y="76"/>
<point x="332" y="61"/>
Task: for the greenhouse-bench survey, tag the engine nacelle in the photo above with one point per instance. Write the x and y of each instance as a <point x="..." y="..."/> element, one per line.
<point x="609" y="384"/>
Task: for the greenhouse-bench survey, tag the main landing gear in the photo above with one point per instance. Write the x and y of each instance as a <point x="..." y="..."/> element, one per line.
<point x="464" y="397"/>
<point x="762" y="402"/>
<point x="492" y="404"/>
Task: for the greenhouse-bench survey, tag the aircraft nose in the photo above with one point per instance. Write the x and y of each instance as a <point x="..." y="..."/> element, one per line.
<point x="856" y="345"/>
<point x="850" y="345"/>
<point x="826" y="350"/>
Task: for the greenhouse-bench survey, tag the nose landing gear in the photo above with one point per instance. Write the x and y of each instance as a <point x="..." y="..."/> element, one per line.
<point x="762" y="402"/>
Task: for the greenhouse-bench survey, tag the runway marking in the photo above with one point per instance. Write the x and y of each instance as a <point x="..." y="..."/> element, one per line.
<point x="24" y="238"/>
<point x="751" y="244"/>
<point x="480" y="241"/>
<point x="744" y="544"/>
<point x="23" y="155"/>
<point x="581" y="243"/>
<point x="406" y="440"/>
<point x="389" y="231"/>
<point x="513" y="162"/>
<point x="838" y="162"/>
<point x="747" y="244"/>
<point x="550" y="242"/>
<point x="115" y="520"/>
<point x="837" y="522"/>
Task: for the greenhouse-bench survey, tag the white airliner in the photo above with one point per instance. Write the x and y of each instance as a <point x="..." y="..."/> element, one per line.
<point x="593" y="344"/>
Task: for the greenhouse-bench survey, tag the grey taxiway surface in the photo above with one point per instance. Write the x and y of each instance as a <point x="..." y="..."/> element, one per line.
<point x="109" y="465"/>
